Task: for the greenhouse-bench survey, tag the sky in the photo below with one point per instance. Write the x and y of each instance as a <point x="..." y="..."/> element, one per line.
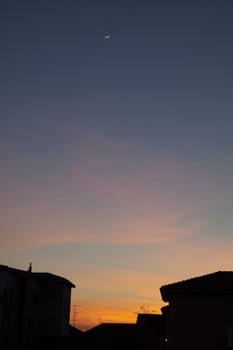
<point x="116" y="155"/>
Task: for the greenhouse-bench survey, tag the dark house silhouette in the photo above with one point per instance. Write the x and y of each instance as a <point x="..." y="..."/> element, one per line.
<point x="74" y="341"/>
<point x="33" y="305"/>
<point x="111" y="336"/>
<point x="146" y="334"/>
<point x="150" y="332"/>
<point x="200" y="312"/>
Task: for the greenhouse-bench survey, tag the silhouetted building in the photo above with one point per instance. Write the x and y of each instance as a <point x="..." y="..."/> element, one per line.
<point x="200" y="312"/>
<point x="111" y="336"/>
<point x="33" y="305"/>
<point x="150" y="332"/>
<point x="74" y="341"/>
<point x="146" y="334"/>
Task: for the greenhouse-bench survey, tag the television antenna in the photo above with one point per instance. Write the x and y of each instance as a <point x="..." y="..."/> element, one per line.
<point x="74" y="314"/>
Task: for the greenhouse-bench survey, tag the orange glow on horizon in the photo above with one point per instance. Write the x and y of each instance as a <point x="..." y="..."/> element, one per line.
<point x="97" y="314"/>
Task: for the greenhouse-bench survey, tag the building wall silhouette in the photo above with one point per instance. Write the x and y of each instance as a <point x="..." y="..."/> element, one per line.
<point x="200" y="312"/>
<point x="32" y="306"/>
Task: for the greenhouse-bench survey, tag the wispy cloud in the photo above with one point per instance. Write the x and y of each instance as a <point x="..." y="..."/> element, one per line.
<point x="110" y="193"/>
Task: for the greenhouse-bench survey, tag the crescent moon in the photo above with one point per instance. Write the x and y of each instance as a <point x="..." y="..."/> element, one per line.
<point x="107" y="36"/>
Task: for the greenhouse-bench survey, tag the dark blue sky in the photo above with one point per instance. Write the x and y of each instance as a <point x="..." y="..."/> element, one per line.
<point x="164" y="77"/>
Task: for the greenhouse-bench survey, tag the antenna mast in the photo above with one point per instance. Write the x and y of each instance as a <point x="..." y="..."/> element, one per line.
<point x="74" y="314"/>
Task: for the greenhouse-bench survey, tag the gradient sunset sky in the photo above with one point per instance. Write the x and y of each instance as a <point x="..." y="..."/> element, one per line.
<point x="116" y="155"/>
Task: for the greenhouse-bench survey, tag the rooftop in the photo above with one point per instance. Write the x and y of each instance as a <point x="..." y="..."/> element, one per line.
<point x="40" y="276"/>
<point x="220" y="282"/>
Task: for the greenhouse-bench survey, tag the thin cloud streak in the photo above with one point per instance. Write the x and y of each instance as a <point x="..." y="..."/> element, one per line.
<point x="106" y="199"/>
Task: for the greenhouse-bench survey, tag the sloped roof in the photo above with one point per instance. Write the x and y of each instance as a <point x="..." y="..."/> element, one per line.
<point x="220" y="282"/>
<point x="41" y="276"/>
<point x="110" y="336"/>
<point x="11" y="269"/>
<point x="110" y="328"/>
<point x="49" y="277"/>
